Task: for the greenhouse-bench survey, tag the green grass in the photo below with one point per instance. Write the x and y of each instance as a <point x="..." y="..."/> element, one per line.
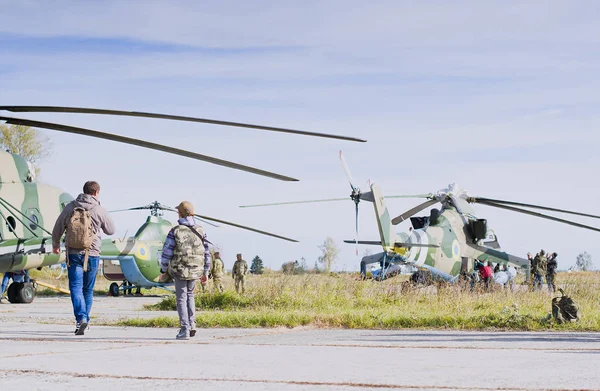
<point x="345" y="302"/>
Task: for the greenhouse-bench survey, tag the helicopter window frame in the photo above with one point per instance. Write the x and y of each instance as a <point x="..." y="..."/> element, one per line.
<point x="33" y="219"/>
<point x="34" y="222"/>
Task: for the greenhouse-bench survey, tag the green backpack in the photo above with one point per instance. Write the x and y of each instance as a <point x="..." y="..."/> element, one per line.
<point x="564" y="309"/>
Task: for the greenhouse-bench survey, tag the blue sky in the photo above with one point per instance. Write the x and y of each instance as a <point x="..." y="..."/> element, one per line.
<point x="500" y="97"/>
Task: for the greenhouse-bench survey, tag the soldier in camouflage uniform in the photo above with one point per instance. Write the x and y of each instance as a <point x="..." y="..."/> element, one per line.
<point x="240" y="269"/>
<point x="186" y="258"/>
<point x="539" y="269"/>
<point x="551" y="272"/>
<point x="217" y="272"/>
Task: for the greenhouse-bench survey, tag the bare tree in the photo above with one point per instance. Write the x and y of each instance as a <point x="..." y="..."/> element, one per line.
<point x="584" y="262"/>
<point x="330" y="253"/>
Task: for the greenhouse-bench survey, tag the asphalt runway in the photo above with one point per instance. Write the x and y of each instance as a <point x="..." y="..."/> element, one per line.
<point x="48" y="356"/>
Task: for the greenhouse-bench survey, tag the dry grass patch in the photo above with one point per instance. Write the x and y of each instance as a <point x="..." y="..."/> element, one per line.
<point x="345" y="302"/>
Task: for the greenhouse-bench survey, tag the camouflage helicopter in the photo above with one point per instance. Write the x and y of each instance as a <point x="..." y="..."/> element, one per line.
<point x="28" y="209"/>
<point x="135" y="260"/>
<point x="443" y="245"/>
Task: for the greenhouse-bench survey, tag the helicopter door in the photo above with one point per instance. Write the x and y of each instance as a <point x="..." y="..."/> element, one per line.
<point x="112" y="270"/>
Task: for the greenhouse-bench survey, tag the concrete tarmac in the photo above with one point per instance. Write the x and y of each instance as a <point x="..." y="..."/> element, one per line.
<point x="43" y="356"/>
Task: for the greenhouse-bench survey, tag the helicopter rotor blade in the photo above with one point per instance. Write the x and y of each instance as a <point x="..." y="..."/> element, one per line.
<point x="83" y="110"/>
<point x="348" y="173"/>
<point x="162" y="207"/>
<point x="481" y="200"/>
<point x="207" y="222"/>
<point x="144" y="144"/>
<point x="428" y="195"/>
<point x="365" y="242"/>
<point x="246" y="228"/>
<point x="537" y="214"/>
<point x="295" y="202"/>
<point x="329" y="200"/>
<point x="129" y="209"/>
<point x="409" y="213"/>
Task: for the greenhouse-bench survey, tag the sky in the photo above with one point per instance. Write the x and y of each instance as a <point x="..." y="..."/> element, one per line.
<point x="500" y="97"/>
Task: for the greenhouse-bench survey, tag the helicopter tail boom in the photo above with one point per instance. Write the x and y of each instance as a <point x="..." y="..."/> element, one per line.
<point x="384" y="221"/>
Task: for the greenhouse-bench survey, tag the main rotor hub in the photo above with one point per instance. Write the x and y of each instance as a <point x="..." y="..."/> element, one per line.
<point x="156" y="209"/>
<point x="355" y="196"/>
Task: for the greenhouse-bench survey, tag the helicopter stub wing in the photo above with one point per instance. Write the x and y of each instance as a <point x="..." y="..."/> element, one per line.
<point x="480" y="252"/>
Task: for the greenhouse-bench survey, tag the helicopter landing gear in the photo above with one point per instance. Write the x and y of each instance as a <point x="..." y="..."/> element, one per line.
<point x="21" y="292"/>
<point x="113" y="289"/>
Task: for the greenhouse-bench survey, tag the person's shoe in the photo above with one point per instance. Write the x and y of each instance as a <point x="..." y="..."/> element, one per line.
<point x="183" y="334"/>
<point x="80" y="327"/>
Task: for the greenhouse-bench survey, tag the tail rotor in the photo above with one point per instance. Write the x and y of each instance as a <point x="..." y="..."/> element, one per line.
<point x="355" y="195"/>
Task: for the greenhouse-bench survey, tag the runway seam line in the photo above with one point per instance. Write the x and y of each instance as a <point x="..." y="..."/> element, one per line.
<point x="288" y="382"/>
<point x="171" y="341"/>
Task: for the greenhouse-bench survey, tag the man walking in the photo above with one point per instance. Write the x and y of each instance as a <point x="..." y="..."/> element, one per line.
<point x="551" y="272"/>
<point x="186" y="258"/>
<point x="217" y="272"/>
<point x="240" y="269"/>
<point x="83" y="219"/>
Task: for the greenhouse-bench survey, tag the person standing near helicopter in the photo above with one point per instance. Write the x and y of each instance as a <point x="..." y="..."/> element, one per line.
<point x="186" y="257"/>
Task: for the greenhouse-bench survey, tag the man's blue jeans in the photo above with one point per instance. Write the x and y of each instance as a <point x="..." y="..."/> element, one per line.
<point x="81" y="285"/>
<point x="5" y="279"/>
<point x="538" y="282"/>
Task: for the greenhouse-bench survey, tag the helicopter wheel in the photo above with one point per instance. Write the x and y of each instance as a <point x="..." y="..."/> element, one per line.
<point x="113" y="290"/>
<point x="21" y="292"/>
<point x="12" y="291"/>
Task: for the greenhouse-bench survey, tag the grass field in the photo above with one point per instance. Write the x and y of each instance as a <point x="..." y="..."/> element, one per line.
<point x="342" y="301"/>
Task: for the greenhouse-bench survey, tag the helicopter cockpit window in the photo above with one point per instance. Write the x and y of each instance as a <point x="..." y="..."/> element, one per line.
<point x="11" y="223"/>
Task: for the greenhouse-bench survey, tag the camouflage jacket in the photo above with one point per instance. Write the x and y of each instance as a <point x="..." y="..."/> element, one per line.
<point x="538" y="265"/>
<point x="542" y="265"/>
<point x="188" y="255"/>
<point x="217" y="268"/>
<point x="240" y="269"/>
